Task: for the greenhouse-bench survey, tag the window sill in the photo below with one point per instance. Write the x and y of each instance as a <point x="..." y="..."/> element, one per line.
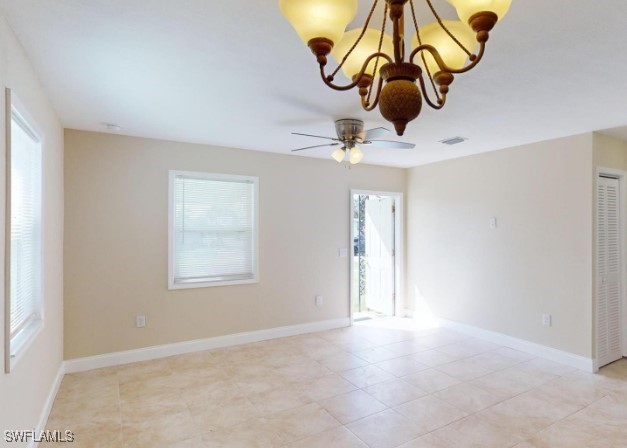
<point x="174" y="286"/>
<point x="21" y="342"/>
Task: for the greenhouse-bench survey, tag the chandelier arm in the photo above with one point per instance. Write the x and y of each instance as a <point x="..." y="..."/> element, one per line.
<point x="365" y="103"/>
<point x="361" y="35"/>
<point x="328" y="80"/>
<point x="447" y="31"/>
<point x="441" y="98"/>
<point x="440" y="61"/>
<point x="422" y="55"/>
<point x="376" y="63"/>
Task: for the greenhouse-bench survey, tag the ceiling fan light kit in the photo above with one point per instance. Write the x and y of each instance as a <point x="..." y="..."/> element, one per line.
<point x="339" y="154"/>
<point x="355" y="155"/>
<point x="377" y="63"/>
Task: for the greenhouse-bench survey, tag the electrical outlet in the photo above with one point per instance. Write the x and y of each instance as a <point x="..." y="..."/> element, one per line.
<point x="547" y="320"/>
<point x="140" y="321"/>
<point x="493" y="223"/>
<point x="319" y="301"/>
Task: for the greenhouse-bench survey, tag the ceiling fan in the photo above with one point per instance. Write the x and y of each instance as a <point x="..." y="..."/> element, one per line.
<point x="350" y="133"/>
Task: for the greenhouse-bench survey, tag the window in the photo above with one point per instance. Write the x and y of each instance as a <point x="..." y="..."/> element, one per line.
<point x="24" y="252"/>
<point x="213" y="230"/>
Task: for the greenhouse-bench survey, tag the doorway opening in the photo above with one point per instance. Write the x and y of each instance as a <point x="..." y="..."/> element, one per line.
<point x="376" y="239"/>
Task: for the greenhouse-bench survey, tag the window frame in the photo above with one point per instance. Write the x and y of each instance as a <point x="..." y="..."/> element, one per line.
<point x="15" y="348"/>
<point x="172" y="234"/>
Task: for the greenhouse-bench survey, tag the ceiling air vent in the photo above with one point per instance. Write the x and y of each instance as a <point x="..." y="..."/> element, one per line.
<point x="453" y="141"/>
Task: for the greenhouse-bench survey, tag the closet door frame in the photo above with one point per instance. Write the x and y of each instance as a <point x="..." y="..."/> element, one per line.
<point x="621" y="176"/>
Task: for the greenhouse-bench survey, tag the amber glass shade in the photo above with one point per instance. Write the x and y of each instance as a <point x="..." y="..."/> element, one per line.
<point x="319" y="18"/>
<point x="369" y="44"/>
<point x="468" y="8"/>
<point x="453" y="56"/>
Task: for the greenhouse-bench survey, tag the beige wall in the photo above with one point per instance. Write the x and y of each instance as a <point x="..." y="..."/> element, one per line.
<point x="537" y="261"/>
<point x="23" y="392"/>
<point x="116" y="242"/>
<point x="608" y="152"/>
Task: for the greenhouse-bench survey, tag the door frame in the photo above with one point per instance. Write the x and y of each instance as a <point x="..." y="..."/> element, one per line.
<point x="621" y="176"/>
<point x="398" y="247"/>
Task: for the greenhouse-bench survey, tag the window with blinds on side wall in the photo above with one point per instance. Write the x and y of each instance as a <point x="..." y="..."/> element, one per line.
<point x="213" y="230"/>
<point x="24" y="251"/>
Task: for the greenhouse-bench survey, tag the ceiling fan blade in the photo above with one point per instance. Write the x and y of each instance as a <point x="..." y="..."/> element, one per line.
<point x="375" y="133"/>
<point x="316" y="136"/>
<point x="389" y="144"/>
<point x="316" y="146"/>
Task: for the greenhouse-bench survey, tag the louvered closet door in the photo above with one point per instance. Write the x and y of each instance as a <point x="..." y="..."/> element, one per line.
<point x="608" y="272"/>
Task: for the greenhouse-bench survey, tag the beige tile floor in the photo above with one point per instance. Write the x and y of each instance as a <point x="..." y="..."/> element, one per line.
<point x="379" y="385"/>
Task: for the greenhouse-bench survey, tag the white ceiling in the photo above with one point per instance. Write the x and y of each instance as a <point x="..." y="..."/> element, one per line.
<point x="235" y="74"/>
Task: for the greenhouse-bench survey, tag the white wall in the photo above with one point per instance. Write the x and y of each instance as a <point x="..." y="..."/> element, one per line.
<point x="537" y="261"/>
<point x="23" y="392"/>
<point x="116" y="242"/>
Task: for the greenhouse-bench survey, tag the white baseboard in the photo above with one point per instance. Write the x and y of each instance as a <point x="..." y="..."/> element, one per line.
<point x="542" y="351"/>
<point x="41" y="426"/>
<point x="163" y="351"/>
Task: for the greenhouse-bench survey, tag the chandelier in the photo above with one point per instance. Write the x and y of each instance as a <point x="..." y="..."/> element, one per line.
<point x="378" y="65"/>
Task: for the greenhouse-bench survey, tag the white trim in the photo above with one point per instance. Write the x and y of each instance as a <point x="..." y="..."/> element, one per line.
<point x="210" y="284"/>
<point x="398" y="248"/>
<point x="7" y="234"/>
<point x="542" y="351"/>
<point x="45" y="413"/>
<point x="399" y="244"/>
<point x="163" y="351"/>
<point x="26" y="117"/>
<point x="611" y="172"/>
<point x="255" y="253"/>
<point x="24" y="341"/>
<point x="351" y="252"/>
<point x="16" y="348"/>
<point x="621" y="175"/>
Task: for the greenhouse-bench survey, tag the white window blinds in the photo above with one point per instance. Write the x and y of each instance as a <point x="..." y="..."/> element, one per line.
<point x="214" y="229"/>
<point x="25" y="213"/>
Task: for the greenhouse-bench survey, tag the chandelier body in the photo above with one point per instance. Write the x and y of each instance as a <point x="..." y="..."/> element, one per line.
<point x="379" y="66"/>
